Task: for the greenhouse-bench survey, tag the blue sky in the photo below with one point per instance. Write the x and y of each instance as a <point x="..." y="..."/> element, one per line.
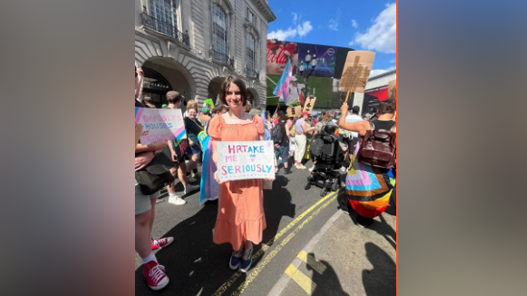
<point x="357" y="24"/>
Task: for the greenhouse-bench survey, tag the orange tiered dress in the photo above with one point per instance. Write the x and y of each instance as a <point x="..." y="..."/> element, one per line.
<point x="241" y="214"/>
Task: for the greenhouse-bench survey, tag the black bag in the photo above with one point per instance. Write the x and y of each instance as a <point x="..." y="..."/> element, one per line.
<point x="278" y="133"/>
<point x="317" y="144"/>
<point x="155" y="175"/>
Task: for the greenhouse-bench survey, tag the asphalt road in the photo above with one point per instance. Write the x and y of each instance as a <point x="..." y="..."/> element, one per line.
<point x="196" y="266"/>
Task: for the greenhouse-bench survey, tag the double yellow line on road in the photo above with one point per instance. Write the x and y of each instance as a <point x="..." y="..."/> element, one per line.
<point x="301" y="279"/>
<point x="254" y="273"/>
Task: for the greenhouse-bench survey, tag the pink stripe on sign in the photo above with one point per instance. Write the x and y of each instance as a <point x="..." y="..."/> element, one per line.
<point x="138" y="115"/>
<point x="178" y="133"/>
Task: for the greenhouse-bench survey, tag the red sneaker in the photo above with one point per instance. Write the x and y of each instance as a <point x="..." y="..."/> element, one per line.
<point x="161" y="243"/>
<point x="155" y="275"/>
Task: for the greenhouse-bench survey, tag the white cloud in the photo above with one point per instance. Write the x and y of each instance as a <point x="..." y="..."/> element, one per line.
<point x="354" y="24"/>
<point x="281" y="34"/>
<point x="333" y="24"/>
<point x="295" y="17"/>
<point x="304" y="28"/>
<point x="300" y="29"/>
<point x="379" y="72"/>
<point x="382" y="35"/>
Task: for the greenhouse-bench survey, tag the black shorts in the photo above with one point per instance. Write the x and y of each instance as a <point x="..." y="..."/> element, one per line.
<point x="180" y="157"/>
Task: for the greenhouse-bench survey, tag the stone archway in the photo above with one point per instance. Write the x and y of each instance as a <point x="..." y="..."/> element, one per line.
<point x="177" y="76"/>
<point x="253" y="97"/>
<point x="214" y="88"/>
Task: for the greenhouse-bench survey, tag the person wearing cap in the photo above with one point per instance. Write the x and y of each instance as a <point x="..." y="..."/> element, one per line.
<point x="294" y="90"/>
<point x="300" y="139"/>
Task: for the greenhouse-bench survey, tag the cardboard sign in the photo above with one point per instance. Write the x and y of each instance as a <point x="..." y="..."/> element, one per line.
<point x="210" y="103"/>
<point x="294" y="112"/>
<point x="392" y="89"/>
<point x="160" y="124"/>
<point x="356" y="71"/>
<point x="310" y="104"/>
<point x="138" y="131"/>
<point x="245" y="160"/>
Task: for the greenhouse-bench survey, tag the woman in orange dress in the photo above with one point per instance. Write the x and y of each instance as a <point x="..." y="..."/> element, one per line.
<point x="241" y="217"/>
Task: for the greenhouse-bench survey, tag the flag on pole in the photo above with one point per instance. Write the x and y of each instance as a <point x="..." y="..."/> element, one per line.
<point x="281" y="89"/>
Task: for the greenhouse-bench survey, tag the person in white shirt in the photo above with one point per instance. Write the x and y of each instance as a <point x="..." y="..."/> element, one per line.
<point x="354" y="117"/>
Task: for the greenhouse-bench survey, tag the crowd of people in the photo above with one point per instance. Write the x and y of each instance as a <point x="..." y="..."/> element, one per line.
<point x="241" y="218"/>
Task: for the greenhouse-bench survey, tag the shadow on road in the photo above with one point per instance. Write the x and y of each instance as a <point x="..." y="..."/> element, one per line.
<point x="328" y="283"/>
<point x="381" y="280"/>
<point x="382" y="228"/>
<point x="194" y="264"/>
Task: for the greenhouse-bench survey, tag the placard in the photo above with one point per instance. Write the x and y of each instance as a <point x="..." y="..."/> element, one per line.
<point x="356" y="71"/>
<point x="310" y="104"/>
<point x="138" y="131"/>
<point x="245" y="160"/>
<point x="392" y="89"/>
<point x="160" y="124"/>
<point x="294" y="112"/>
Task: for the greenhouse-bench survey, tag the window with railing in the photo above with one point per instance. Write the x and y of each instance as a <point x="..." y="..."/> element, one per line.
<point x="162" y="16"/>
<point x="251" y="17"/>
<point x="251" y="55"/>
<point x="220" y="44"/>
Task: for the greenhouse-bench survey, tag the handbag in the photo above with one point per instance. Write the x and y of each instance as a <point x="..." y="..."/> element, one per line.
<point x="156" y="175"/>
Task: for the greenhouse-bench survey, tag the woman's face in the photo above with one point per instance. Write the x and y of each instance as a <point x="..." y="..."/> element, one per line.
<point x="192" y="113"/>
<point x="233" y="96"/>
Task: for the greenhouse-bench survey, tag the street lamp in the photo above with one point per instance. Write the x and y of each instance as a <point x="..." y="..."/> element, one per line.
<point x="313" y="63"/>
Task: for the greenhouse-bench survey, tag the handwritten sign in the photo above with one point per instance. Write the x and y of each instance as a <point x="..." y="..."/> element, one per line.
<point x="138" y="132"/>
<point x="294" y="112"/>
<point x="310" y="103"/>
<point x="356" y="71"/>
<point x="160" y="124"/>
<point x="245" y="160"/>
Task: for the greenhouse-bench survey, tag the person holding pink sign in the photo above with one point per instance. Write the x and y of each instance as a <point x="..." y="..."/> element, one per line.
<point x="241" y="217"/>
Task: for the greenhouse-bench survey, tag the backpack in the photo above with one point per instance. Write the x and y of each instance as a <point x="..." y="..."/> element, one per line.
<point x="378" y="148"/>
<point x="278" y="133"/>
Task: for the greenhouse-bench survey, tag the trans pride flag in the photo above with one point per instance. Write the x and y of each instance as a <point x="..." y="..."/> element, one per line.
<point x="281" y="89"/>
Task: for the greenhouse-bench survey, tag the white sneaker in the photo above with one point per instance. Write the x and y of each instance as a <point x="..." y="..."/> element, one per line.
<point x="312" y="168"/>
<point x="301" y="167"/>
<point x="176" y="200"/>
<point x="190" y="188"/>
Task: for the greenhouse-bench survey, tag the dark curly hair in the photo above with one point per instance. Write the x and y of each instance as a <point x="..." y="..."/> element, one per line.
<point x="387" y="107"/>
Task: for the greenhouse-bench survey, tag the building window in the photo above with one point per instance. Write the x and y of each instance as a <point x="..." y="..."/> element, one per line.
<point x="251" y="55"/>
<point x="251" y="17"/>
<point x="219" y="34"/>
<point x="165" y="13"/>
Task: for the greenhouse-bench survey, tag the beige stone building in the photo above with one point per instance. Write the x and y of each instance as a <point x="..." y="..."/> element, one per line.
<point x="191" y="46"/>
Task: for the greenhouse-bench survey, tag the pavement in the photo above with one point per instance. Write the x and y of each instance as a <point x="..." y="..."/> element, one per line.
<point x="345" y="259"/>
<point x="312" y="246"/>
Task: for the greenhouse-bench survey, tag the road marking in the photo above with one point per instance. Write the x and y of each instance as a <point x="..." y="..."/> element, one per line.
<point x="301" y="279"/>
<point x="266" y="246"/>
<point x="271" y="255"/>
<point x="311" y="261"/>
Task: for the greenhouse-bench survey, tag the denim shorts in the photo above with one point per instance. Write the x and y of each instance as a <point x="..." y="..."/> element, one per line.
<point x="283" y="152"/>
<point x="194" y="149"/>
